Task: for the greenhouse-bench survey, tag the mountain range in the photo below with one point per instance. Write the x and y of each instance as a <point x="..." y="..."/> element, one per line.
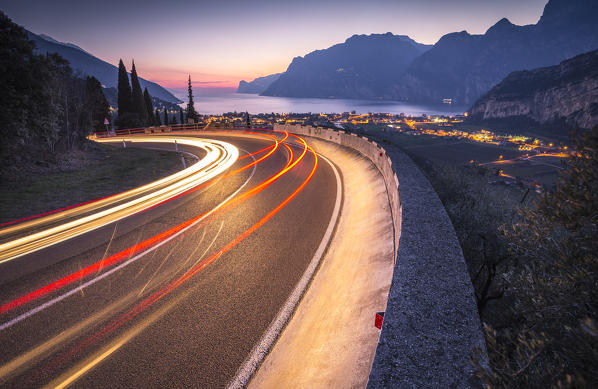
<point x="258" y="85"/>
<point x="460" y="66"/>
<point x="566" y="93"/>
<point x="86" y="64"/>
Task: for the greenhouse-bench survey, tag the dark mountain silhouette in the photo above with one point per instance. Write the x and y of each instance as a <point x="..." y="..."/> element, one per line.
<point x="361" y="67"/>
<point x="463" y="66"/>
<point x="86" y="64"/>
<point x="460" y="66"/>
<point x="564" y="95"/>
<point x="258" y="85"/>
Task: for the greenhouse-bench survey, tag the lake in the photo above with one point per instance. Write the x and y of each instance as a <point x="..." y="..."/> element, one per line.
<point x="255" y="104"/>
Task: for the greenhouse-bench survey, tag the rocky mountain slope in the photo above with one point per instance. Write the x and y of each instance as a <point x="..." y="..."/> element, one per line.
<point x="563" y="94"/>
<point x="86" y="64"/>
<point x="361" y="67"/>
<point x="258" y="85"/>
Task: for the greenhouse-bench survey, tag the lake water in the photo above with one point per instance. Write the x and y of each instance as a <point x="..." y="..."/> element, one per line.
<point x="255" y="104"/>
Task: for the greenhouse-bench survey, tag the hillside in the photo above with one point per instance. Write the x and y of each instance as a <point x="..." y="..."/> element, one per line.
<point x="86" y="64"/>
<point x="258" y="85"/>
<point x="556" y="95"/>
<point x="361" y="67"/>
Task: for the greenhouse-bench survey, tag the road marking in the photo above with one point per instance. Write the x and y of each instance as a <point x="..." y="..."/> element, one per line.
<point x="261" y="349"/>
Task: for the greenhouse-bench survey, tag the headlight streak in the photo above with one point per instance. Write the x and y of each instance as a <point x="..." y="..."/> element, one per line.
<point x="142" y="246"/>
<point x="7" y="231"/>
<point x="95" y="204"/>
<point x="220" y="157"/>
<point x="157" y="296"/>
<point x="255" y="162"/>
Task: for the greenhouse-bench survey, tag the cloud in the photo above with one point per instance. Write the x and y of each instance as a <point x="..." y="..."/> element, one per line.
<point x="209" y="82"/>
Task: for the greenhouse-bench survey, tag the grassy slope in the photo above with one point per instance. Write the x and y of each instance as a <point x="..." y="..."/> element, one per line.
<point x="102" y="171"/>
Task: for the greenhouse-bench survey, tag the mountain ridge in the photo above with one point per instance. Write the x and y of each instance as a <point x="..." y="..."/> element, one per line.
<point x="467" y="65"/>
<point x="357" y="68"/>
<point x="87" y="64"/>
<point x="460" y="66"/>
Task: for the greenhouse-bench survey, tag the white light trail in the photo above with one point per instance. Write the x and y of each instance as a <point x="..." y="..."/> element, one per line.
<point x="219" y="157"/>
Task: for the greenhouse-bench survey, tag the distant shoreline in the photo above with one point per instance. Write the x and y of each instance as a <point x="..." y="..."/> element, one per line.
<point x="255" y="104"/>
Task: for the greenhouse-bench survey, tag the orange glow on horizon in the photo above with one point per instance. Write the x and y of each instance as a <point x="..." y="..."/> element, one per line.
<point x="176" y="79"/>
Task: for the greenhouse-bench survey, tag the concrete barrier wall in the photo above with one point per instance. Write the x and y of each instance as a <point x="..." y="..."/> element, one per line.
<point x="431" y="325"/>
<point x="369" y="149"/>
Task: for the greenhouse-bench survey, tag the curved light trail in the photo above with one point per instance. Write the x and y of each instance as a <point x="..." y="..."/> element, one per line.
<point x="219" y="157"/>
<point x="76" y="346"/>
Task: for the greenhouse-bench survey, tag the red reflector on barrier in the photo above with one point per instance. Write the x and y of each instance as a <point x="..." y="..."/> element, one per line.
<point x="379" y="319"/>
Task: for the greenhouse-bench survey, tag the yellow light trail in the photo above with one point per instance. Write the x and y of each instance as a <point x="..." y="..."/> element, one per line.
<point x="219" y="157"/>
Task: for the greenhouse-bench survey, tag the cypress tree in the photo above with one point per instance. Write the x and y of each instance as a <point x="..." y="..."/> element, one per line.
<point x="181" y="118"/>
<point x="165" y="116"/>
<point x="137" y="97"/>
<point x="157" y="118"/>
<point x="124" y="91"/>
<point x="96" y="104"/>
<point x="191" y="114"/>
<point x="148" y="105"/>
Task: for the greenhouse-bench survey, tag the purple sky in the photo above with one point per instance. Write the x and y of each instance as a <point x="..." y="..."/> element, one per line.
<point x="220" y="42"/>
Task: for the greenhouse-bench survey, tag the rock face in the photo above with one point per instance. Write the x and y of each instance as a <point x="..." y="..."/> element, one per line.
<point x="463" y="66"/>
<point x="258" y="85"/>
<point x="459" y="66"/>
<point x="566" y="93"/>
<point x="88" y="65"/>
<point x="364" y="66"/>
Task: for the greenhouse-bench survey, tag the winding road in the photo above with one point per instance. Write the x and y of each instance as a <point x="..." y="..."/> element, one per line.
<point x="172" y="284"/>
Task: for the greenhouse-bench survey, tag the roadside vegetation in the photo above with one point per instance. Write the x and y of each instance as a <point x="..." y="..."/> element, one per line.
<point x="533" y="261"/>
<point x="45" y="109"/>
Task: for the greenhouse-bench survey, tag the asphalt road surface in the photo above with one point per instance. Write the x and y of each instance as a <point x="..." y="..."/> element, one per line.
<point x="174" y="295"/>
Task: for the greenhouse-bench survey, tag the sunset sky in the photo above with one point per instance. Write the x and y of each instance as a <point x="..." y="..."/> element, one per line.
<point x="220" y="42"/>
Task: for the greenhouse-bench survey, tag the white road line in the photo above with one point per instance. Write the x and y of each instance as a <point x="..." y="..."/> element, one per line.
<point x="261" y="349"/>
